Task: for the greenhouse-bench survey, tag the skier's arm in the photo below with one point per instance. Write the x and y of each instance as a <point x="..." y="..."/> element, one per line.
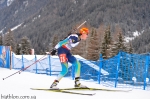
<point x="74" y="40"/>
<point x="54" y="50"/>
<point x="65" y="41"/>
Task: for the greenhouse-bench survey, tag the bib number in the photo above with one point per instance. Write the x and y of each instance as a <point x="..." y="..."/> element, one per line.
<point x="63" y="58"/>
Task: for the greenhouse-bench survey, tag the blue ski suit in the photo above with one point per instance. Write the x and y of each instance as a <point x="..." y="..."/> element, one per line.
<point x="63" y="51"/>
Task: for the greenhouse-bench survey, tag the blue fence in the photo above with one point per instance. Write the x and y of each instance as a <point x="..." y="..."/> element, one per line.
<point x="123" y="70"/>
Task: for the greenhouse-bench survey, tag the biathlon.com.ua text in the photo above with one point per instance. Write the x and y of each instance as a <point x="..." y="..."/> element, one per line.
<point x="11" y="96"/>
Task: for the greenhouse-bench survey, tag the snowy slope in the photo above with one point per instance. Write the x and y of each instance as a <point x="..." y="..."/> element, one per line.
<point x="19" y="85"/>
<point x="55" y="63"/>
<point x="96" y="67"/>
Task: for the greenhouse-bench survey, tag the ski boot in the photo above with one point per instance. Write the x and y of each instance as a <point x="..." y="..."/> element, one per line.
<point x="54" y="85"/>
<point x="78" y="84"/>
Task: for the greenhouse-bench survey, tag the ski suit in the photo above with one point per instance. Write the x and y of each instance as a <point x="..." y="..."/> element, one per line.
<point x="63" y="51"/>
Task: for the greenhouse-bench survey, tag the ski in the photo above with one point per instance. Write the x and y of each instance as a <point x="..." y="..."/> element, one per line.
<point x="64" y="91"/>
<point x="94" y="89"/>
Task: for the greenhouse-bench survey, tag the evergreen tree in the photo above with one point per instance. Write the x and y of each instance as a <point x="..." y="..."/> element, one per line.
<point x="121" y="42"/>
<point x="25" y="46"/>
<point x="114" y="49"/>
<point x="9" y="40"/>
<point x="109" y="39"/>
<point x="118" y="44"/>
<point x="1" y="39"/>
<point x="130" y="48"/>
<point x="18" y="49"/>
<point x="103" y="50"/>
<point x="106" y="44"/>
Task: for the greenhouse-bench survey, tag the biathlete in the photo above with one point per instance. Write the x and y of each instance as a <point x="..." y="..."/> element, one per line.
<point x="63" y="51"/>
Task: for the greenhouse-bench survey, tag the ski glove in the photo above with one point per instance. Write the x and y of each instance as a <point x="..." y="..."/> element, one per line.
<point x="53" y="52"/>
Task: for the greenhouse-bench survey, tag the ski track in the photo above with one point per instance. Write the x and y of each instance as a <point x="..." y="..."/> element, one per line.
<point x="19" y="85"/>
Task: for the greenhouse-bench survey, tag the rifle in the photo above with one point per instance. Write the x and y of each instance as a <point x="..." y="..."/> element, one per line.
<point x="75" y="29"/>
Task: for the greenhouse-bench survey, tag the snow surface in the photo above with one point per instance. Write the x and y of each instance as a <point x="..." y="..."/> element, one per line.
<point x="14" y="28"/>
<point x="19" y="85"/>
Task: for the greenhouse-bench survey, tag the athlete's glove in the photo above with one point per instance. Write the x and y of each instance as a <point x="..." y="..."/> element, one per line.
<point x="53" y="52"/>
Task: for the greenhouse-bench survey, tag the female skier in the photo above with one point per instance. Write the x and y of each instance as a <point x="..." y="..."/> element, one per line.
<point x="63" y="50"/>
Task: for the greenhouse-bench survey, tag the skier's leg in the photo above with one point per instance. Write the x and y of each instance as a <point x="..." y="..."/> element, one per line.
<point x="77" y="68"/>
<point x="77" y="65"/>
<point x="64" y="64"/>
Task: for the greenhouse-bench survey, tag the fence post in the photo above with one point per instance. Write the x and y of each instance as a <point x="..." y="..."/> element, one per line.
<point x="146" y="69"/>
<point x="36" y="64"/>
<point x="22" y="63"/>
<point x="100" y="66"/>
<point x="12" y="60"/>
<point x="49" y="64"/>
<point x="118" y="66"/>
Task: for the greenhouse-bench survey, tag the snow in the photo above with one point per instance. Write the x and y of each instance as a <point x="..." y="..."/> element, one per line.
<point x="16" y="11"/>
<point x="127" y="39"/>
<point x="135" y="34"/>
<point x="25" y="3"/>
<point x="55" y="64"/>
<point x="35" y="18"/>
<point x="14" y="28"/>
<point x="1" y="31"/>
<point x="9" y="2"/>
<point x="19" y="85"/>
<point x="92" y="65"/>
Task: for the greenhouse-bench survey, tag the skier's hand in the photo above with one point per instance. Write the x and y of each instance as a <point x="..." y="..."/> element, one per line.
<point x="53" y="52"/>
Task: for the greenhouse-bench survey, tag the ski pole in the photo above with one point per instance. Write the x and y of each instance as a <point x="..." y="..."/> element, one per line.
<point x="25" y="67"/>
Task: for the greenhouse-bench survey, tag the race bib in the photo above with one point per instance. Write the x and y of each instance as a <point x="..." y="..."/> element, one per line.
<point x="63" y="58"/>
